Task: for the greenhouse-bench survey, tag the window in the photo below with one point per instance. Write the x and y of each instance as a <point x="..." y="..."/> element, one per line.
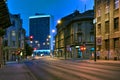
<point x="79" y="26"/>
<point x="91" y="37"/>
<point x="107" y="27"/>
<point x="116" y="24"/>
<point x="13" y="23"/>
<point x="98" y="2"/>
<point x="80" y="37"/>
<point x="116" y="43"/>
<point x="99" y="28"/>
<point x="13" y="43"/>
<point x="116" y="4"/>
<point x="99" y="12"/>
<point x="13" y="33"/>
<point x="107" y="7"/>
<point x="107" y="44"/>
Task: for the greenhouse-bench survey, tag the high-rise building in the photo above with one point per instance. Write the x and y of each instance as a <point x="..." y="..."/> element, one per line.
<point x="107" y="28"/>
<point x="40" y="29"/>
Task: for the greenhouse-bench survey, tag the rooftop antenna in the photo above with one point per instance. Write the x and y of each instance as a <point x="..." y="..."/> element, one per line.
<point x="84" y="2"/>
<point x="85" y="7"/>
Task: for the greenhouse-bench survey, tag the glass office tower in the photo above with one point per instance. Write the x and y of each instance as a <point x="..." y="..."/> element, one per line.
<point x="39" y="28"/>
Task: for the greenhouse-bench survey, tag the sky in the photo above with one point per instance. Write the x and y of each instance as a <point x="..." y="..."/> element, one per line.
<point x="56" y="8"/>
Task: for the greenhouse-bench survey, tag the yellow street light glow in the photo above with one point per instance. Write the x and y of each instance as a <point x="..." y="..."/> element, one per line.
<point x="49" y="36"/>
<point x="59" y="21"/>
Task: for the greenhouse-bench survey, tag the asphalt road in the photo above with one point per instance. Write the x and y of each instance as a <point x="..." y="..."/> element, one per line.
<point x="54" y="69"/>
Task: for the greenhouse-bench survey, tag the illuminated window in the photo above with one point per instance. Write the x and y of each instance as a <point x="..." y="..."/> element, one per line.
<point x="107" y="7"/>
<point x="13" y="33"/>
<point x="116" y="4"/>
<point x="99" y="12"/>
<point x="91" y="36"/>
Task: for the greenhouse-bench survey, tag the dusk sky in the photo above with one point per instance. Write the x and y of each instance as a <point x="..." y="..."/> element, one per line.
<point x="57" y="8"/>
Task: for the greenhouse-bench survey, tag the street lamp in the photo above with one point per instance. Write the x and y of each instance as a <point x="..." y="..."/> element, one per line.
<point x="94" y="22"/>
<point x="59" y="21"/>
<point x="53" y="31"/>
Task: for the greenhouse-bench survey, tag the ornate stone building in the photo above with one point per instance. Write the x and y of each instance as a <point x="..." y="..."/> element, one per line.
<point x="14" y="38"/>
<point x="73" y="31"/>
<point x="107" y="16"/>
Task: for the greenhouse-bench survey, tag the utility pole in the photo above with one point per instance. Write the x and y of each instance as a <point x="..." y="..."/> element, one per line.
<point x="94" y="22"/>
<point x="94" y="39"/>
<point x="109" y="34"/>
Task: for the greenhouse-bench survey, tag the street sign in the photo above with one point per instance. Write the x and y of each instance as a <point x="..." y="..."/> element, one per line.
<point x="99" y="41"/>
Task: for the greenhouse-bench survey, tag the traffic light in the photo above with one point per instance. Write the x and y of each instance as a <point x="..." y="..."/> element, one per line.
<point x="35" y="49"/>
<point x="82" y="48"/>
<point x="31" y="38"/>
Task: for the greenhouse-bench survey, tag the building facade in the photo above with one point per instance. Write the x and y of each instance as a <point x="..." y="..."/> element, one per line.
<point x="14" y="38"/>
<point x="40" y="26"/>
<point x="107" y="16"/>
<point x="4" y="23"/>
<point x="74" y="31"/>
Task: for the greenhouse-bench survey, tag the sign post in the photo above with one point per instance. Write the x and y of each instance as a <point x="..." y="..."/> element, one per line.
<point x="99" y="41"/>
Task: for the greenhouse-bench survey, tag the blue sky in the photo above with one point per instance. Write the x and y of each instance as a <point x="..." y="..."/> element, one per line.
<point x="57" y="8"/>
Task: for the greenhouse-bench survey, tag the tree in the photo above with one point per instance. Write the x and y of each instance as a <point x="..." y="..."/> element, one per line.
<point x="29" y="49"/>
<point x="2" y="32"/>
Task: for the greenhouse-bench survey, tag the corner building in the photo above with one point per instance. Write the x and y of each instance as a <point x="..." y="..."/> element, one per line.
<point x="74" y="31"/>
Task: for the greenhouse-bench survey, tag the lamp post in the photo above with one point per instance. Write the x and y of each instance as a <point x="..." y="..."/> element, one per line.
<point x="53" y="40"/>
<point x="108" y="46"/>
<point x="94" y="22"/>
<point x="0" y="51"/>
<point x="109" y="35"/>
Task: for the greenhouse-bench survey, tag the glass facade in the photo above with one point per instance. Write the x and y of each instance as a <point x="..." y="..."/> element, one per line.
<point x="40" y="30"/>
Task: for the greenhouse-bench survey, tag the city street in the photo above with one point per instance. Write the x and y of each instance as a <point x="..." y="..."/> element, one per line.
<point x="42" y="40"/>
<point x="54" y="69"/>
<point x="47" y="68"/>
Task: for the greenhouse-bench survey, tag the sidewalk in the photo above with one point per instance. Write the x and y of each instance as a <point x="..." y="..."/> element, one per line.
<point x="89" y="61"/>
<point x="15" y="71"/>
<point x="104" y="61"/>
